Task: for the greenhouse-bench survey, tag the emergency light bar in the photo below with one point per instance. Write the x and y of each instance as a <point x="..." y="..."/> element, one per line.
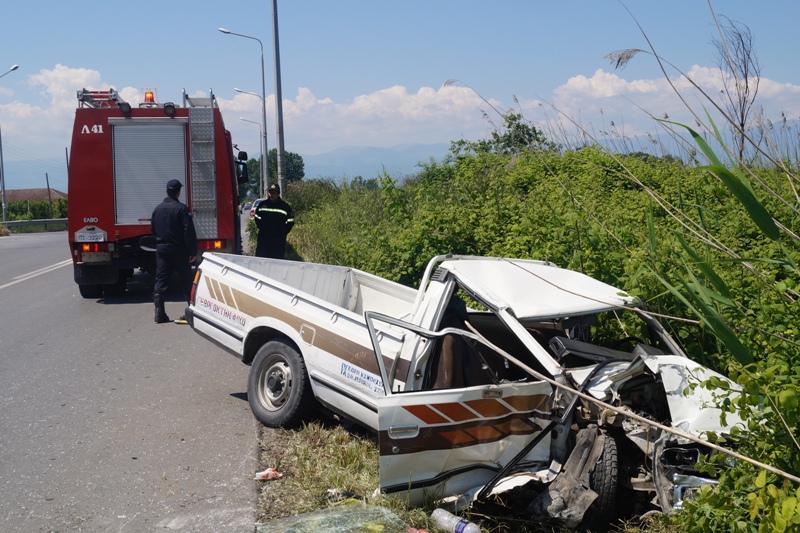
<point x="149" y="98"/>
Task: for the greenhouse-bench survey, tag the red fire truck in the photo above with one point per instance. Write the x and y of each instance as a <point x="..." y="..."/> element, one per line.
<point x="120" y="161"/>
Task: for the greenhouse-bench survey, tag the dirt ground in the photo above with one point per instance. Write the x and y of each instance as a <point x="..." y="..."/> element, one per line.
<point x="274" y="500"/>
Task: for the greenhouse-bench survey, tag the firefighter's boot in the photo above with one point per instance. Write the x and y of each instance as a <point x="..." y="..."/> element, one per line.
<point x="161" y="313"/>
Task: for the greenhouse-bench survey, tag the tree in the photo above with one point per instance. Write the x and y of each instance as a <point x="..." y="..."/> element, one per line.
<point x="295" y="171"/>
<point x="517" y="134"/>
<point x="293" y="164"/>
<point x="740" y="72"/>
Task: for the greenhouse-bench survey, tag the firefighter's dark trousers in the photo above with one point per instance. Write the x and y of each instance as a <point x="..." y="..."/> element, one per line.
<point x="166" y="264"/>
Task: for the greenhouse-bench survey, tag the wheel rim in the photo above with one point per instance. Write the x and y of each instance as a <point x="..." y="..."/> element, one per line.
<point x="275" y="383"/>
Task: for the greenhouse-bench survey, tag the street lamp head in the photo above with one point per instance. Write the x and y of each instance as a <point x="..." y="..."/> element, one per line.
<point x="253" y="122"/>
<point x="12" y="69"/>
<point x="248" y="92"/>
<point x="263" y="97"/>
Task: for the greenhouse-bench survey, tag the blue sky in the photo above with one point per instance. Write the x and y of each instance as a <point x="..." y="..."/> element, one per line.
<point x="370" y="72"/>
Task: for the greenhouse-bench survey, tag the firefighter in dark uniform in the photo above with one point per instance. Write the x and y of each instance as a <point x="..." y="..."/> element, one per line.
<point x="176" y="247"/>
<point x="275" y="219"/>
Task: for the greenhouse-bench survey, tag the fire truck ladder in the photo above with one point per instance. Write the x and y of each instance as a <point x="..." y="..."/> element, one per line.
<point x="97" y="99"/>
<point x="202" y="166"/>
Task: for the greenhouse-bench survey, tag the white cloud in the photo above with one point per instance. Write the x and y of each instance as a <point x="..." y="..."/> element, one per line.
<point x="387" y="117"/>
<point x="61" y="83"/>
<point x="39" y="124"/>
<point x="604" y="85"/>
<point x="45" y="128"/>
<point x="606" y="101"/>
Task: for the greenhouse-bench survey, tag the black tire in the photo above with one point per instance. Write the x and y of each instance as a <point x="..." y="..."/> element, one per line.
<point x="278" y="388"/>
<point x="604" y="480"/>
<point x="91" y="291"/>
<point x="115" y="290"/>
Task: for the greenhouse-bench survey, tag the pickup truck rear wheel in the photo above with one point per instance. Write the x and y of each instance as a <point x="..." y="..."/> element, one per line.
<point x="278" y="388"/>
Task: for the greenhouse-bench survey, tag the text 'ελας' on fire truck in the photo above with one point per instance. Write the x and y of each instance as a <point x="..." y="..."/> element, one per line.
<point x="121" y="158"/>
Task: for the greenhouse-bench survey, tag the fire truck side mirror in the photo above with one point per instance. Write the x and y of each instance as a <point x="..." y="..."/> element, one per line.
<point x="241" y="171"/>
<point x="242" y="156"/>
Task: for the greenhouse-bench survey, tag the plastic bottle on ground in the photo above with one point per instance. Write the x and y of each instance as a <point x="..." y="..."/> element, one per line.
<point x="452" y="523"/>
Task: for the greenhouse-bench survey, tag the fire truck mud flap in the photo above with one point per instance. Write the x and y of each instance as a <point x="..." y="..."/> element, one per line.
<point x="96" y="274"/>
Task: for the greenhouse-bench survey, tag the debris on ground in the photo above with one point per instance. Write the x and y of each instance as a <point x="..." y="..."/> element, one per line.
<point x="351" y="515"/>
<point x="338" y="495"/>
<point x="269" y="473"/>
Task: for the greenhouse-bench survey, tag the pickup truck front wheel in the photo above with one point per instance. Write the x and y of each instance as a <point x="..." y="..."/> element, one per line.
<point x="278" y="388"/>
<point x="603" y="479"/>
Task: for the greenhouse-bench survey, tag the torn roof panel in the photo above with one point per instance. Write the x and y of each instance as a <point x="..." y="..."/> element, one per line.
<point x="536" y="289"/>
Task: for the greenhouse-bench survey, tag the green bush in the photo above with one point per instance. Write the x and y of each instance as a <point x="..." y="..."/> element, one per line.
<point x="28" y="210"/>
<point x="671" y="234"/>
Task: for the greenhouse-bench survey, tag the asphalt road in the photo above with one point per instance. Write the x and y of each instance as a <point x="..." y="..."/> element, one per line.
<point x="108" y="421"/>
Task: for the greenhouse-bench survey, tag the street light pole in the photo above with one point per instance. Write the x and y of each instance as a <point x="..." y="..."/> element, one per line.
<point x="263" y="104"/>
<point x="263" y="161"/>
<point x="2" y="177"/>
<point x="264" y="170"/>
<point x="278" y="98"/>
<point x="2" y="172"/>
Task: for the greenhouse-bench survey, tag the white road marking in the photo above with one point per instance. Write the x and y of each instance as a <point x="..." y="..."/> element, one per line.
<point x="35" y="273"/>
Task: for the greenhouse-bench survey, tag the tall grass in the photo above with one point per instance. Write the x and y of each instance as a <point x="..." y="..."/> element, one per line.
<point x="706" y="237"/>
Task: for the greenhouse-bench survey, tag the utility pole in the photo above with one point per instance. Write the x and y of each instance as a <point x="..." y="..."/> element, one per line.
<point x="2" y="177"/>
<point x="278" y="99"/>
<point x="2" y="174"/>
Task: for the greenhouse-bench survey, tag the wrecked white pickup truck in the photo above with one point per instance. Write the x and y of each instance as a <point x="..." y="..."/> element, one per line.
<point x="543" y="385"/>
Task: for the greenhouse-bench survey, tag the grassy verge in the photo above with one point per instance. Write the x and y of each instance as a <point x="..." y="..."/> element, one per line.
<point x="317" y="459"/>
<point x="324" y="456"/>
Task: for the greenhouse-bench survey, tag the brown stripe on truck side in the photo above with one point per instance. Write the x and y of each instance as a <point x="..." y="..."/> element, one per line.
<point x="324" y="339"/>
<point x="459" y="435"/>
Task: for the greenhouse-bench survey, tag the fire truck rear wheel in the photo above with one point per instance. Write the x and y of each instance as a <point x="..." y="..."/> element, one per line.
<point x="278" y="388"/>
<point x="118" y="288"/>
<point x="91" y="291"/>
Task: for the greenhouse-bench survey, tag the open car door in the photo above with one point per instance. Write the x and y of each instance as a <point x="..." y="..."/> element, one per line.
<point x="437" y="443"/>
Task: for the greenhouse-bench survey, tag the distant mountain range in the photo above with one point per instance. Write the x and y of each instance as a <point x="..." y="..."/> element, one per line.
<point x="369" y="162"/>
